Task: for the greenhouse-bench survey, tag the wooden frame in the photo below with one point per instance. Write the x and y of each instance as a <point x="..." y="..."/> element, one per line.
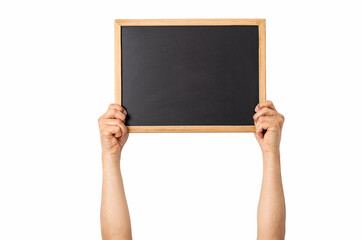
<point x="261" y="23"/>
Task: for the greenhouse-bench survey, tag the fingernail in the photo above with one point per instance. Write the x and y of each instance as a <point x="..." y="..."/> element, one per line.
<point x="256" y="109"/>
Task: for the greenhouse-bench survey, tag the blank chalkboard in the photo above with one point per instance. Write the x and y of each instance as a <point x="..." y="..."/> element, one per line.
<point x="188" y="77"/>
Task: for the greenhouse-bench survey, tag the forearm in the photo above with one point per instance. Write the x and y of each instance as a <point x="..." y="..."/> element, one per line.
<point x="271" y="207"/>
<point x="114" y="214"/>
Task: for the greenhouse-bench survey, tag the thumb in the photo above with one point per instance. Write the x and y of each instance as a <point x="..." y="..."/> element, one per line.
<point x="259" y="137"/>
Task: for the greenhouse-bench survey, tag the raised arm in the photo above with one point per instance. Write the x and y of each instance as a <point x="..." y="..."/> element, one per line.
<point x="271" y="214"/>
<point x="114" y="213"/>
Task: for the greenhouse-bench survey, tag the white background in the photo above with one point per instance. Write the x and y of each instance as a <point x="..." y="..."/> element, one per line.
<point x="56" y="73"/>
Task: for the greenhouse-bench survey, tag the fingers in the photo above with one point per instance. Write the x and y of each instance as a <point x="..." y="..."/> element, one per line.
<point x="109" y="128"/>
<point x="261" y="125"/>
<point x="268" y="104"/>
<point x="268" y="123"/>
<point x="117" y="106"/>
<point x="122" y="129"/>
<point x="113" y="130"/>
<point x="112" y="121"/>
<point x="266" y="108"/>
<point x="114" y="127"/>
<point x="265" y="112"/>
<point x="115" y="111"/>
<point x="267" y="117"/>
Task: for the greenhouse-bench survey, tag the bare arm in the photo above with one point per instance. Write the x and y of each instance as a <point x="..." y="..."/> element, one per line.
<point x="271" y="214"/>
<point x="114" y="213"/>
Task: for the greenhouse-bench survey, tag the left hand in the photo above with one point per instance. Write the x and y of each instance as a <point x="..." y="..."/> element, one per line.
<point x="269" y="125"/>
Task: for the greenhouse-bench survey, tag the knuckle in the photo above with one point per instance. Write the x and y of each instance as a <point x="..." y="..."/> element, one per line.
<point x="124" y="128"/>
<point x="116" y="106"/>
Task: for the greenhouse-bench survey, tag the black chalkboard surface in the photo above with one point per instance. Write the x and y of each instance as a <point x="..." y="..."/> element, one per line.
<point x="188" y="77"/>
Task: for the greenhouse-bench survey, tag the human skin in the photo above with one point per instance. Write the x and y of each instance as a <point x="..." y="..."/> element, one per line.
<point x="114" y="213"/>
<point x="115" y="219"/>
<point x="271" y="214"/>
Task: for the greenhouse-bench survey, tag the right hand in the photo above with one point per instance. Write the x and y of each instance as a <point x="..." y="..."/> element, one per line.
<point x="113" y="132"/>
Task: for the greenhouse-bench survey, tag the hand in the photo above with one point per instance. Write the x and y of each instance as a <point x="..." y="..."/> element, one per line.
<point x="113" y="132"/>
<point x="268" y="126"/>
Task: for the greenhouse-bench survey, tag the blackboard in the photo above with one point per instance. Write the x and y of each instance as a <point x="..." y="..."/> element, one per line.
<point x="197" y="77"/>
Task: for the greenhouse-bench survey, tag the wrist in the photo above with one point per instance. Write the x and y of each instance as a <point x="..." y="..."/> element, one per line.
<point x="271" y="158"/>
<point x="110" y="160"/>
<point x="271" y="152"/>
